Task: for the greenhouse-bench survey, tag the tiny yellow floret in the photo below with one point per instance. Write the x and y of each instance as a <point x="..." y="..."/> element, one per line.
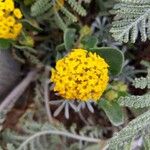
<point x="17" y="13"/>
<point x="81" y="75"/>
<point x="10" y="27"/>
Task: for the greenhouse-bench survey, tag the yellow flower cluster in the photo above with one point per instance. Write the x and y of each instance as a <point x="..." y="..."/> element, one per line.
<point x="10" y="27"/>
<point x="81" y="75"/>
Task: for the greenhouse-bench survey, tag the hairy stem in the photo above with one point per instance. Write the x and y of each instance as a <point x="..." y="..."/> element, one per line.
<point x="74" y="136"/>
<point x="46" y="97"/>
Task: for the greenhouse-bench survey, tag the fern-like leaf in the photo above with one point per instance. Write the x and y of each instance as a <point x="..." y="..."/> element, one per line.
<point x="78" y="8"/>
<point x="68" y="14"/>
<point x="40" y="7"/>
<point x="59" y="21"/>
<point x="142" y="82"/>
<point x="135" y="101"/>
<point x="132" y="18"/>
<point x="59" y="10"/>
<point x="136" y="1"/>
<point x="37" y="136"/>
<point x="132" y="130"/>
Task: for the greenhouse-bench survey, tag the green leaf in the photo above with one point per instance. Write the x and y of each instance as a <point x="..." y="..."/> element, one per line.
<point x="113" y="57"/>
<point x="32" y="23"/>
<point x="4" y="43"/>
<point x="113" y="111"/>
<point x="69" y="38"/>
<point x="89" y="42"/>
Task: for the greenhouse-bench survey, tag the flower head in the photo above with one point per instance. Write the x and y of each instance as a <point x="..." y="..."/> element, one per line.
<point x="10" y="27"/>
<point x="81" y="75"/>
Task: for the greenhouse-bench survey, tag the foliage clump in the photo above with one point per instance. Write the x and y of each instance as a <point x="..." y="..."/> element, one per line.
<point x="78" y="67"/>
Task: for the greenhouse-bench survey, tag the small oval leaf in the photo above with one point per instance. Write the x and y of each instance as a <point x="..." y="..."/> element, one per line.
<point x="113" y="111"/>
<point x="69" y="38"/>
<point x="89" y="41"/>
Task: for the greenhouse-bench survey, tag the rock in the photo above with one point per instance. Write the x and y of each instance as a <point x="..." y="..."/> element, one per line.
<point x="9" y="73"/>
